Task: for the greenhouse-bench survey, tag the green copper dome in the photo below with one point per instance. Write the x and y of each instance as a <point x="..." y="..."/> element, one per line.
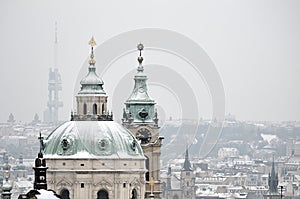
<point x="92" y="139"/>
<point x="91" y="83"/>
<point x="91" y="78"/>
<point x="6" y="187"/>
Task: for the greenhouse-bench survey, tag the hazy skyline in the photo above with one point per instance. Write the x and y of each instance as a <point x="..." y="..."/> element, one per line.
<point x="254" y="45"/>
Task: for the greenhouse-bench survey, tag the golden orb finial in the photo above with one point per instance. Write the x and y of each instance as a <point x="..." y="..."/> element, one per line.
<point x="92" y="42"/>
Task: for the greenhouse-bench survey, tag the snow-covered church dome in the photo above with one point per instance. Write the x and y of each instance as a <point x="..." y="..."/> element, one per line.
<point x="92" y="139"/>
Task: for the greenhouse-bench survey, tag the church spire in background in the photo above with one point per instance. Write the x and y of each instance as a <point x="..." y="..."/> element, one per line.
<point x="187" y="164"/>
<point x="273" y="179"/>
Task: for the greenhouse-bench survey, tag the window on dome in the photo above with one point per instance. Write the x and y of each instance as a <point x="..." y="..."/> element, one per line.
<point x="65" y="144"/>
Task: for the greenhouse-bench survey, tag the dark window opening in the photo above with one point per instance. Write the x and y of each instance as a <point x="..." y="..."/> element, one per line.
<point x="82" y="185"/>
<point x="103" y="111"/>
<point x="147" y="167"/>
<point x="102" y="194"/>
<point x="95" y="109"/>
<point x="133" y="194"/>
<point x="65" y="194"/>
<point x="84" y="109"/>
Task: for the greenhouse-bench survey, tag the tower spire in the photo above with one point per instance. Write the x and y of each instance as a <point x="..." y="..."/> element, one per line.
<point x="273" y="179"/>
<point x="187" y="164"/>
<point x="92" y="43"/>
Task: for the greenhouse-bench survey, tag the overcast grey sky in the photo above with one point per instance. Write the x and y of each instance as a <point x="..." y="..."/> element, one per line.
<point x="255" y="46"/>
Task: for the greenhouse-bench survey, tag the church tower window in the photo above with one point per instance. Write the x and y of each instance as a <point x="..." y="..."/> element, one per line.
<point x="147" y="167"/>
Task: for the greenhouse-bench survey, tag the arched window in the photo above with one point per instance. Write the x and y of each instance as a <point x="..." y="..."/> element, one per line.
<point x="95" y="109"/>
<point x="176" y="197"/>
<point x="102" y="194"/>
<point x="84" y="109"/>
<point x="133" y="194"/>
<point x="103" y="111"/>
<point x="147" y="167"/>
<point x="65" y="194"/>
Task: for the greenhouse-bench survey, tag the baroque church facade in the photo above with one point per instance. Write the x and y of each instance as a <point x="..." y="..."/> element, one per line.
<point x="94" y="157"/>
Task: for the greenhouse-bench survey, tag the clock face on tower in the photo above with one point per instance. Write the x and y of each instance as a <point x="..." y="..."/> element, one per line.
<point x="144" y="135"/>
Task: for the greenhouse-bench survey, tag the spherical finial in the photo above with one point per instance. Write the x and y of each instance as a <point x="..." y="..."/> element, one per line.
<point x="140" y="47"/>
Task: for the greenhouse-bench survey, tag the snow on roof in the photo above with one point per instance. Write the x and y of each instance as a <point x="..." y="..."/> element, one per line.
<point x="268" y="137"/>
<point x="23" y="183"/>
<point x="46" y="194"/>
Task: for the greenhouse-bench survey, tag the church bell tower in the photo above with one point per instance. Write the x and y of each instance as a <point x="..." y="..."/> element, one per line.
<point x="140" y="117"/>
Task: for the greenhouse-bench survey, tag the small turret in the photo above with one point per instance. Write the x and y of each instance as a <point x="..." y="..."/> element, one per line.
<point x="40" y="169"/>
